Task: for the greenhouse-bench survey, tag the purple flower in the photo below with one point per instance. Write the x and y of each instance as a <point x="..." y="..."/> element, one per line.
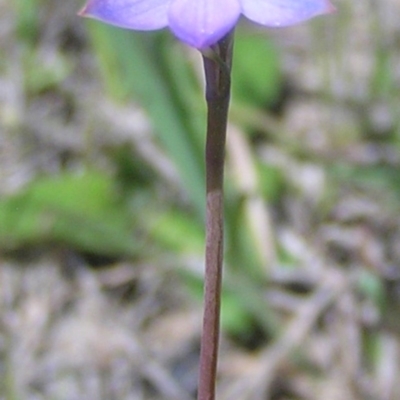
<point x="201" y="23"/>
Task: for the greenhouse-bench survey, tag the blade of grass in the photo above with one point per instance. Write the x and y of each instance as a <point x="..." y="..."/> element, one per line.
<point x="131" y="62"/>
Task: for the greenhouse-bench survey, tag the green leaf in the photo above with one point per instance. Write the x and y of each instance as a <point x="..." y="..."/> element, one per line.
<point x="256" y="75"/>
<point x="134" y="66"/>
<point x="82" y="211"/>
<point x="178" y="232"/>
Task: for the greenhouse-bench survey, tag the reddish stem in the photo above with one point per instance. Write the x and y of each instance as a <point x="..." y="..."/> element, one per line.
<point x="217" y="72"/>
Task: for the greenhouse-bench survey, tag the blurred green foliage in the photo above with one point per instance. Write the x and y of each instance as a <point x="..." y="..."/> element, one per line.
<point x="98" y="213"/>
<point x="28" y="24"/>
<point x="82" y="211"/>
<point x="156" y="72"/>
<point x="117" y="214"/>
<point x="256" y="77"/>
<point x="136" y="66"/>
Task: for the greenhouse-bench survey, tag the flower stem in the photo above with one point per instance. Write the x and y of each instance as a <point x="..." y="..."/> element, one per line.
<point x="217" y="69"/>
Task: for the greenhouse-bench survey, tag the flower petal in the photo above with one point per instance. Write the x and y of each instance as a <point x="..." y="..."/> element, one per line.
<point x="201" y="23"/>
<point x="132" y="14"/>
<point x="283" y="12"/>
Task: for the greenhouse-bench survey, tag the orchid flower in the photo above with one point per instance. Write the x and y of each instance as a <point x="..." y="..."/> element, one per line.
<point x="202" y="23"/>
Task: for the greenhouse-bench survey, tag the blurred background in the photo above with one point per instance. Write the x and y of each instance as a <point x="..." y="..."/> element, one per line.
<point x="102" y="209"/>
